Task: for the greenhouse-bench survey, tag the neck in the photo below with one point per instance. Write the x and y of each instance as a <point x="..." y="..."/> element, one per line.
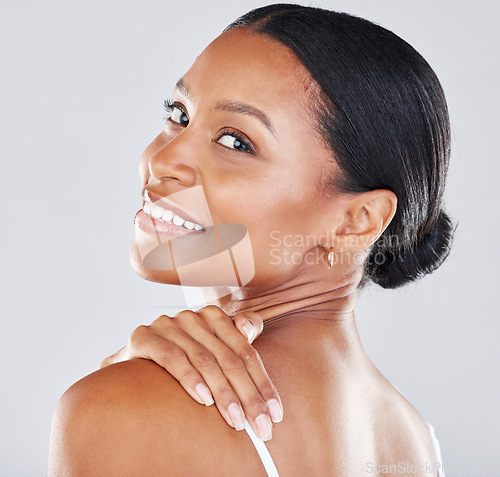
<point x="312" y="292"/>
<point x="314" y="306"/>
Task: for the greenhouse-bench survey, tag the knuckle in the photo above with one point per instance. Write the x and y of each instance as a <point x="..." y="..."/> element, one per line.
<point x="268" y="391"/>
<point x="161" y="324"/>
<point x="160" y="320"/>
<point x="204" y="359"/>
<point x="170" y="354"/>
<point x="139" y="333"/>
<point x="256" y="404"/>
<point x="212" y="309"/>
<point x="224" y="394"/>
<point x="232" y="362"/>
<point x="188" y="375"/>
<point x="212" y="312"/>
<point x="186" y="314"/>
<point x="250" y="356"/>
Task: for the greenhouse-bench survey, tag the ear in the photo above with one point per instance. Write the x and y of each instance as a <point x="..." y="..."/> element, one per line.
<point x="367" y="215"/>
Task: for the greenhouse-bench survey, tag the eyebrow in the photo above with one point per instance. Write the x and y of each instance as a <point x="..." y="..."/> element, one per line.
<point x="234" y="107"/>
<point x="181" y="86"/>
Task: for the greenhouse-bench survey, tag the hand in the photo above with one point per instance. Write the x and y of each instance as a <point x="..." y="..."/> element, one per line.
<point x="210" y="354"/>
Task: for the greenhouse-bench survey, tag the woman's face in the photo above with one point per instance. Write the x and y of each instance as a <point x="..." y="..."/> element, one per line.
<point x="238" y="148"/>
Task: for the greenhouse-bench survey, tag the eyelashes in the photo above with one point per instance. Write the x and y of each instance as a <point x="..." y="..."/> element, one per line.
<point x="168" y="107"/>
<point x="237" y="142"/>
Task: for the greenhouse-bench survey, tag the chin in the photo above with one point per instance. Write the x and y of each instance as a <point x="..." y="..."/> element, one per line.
<point x="217" y="270"/>
<point x="167" y="277"/>
<point x="220" y="256"/>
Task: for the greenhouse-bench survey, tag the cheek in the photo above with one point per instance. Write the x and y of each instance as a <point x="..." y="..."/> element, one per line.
<point x="277" y="210"/>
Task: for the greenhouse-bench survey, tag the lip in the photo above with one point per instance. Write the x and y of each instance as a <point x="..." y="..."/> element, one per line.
<point x="151" y="226"/>
<point x="166" y="203"/>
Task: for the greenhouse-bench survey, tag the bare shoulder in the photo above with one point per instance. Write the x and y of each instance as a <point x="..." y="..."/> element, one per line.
<point x="133" y="418"/>
<point x="348" y="416"/>
<point x="408" y="436"/>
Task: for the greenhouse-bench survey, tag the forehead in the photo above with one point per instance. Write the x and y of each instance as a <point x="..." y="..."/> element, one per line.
<point x="253" y="69"/>
<point x="250" y="67"/>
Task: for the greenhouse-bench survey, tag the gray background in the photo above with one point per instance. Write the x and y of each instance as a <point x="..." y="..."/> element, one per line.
<point x="82" y="86"/>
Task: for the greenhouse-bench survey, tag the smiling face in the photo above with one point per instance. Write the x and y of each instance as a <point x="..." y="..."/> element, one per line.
<point x="239" y="147"/>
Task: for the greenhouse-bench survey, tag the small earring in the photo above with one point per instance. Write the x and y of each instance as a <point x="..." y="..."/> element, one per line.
<point x="331" y="258"/>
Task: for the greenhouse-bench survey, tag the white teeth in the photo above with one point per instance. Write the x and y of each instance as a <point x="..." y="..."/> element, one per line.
<point x="156" y="212"/>
<point x="167" y="215"/>
<point x="177" y="220"/>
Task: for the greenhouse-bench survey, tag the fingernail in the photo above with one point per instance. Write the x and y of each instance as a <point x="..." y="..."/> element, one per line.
<point x="263" y="427"/>
<point x="236" y="415"/>
<point x="205" y="394"/>
<point x="249" y="330"/>
<point x="274" y="410"/>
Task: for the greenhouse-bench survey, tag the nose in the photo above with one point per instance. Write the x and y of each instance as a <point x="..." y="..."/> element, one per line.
<point x="173" y="159"/>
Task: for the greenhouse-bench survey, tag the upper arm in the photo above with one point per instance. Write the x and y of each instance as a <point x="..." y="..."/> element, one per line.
<point x="79" y="441"/>
<point x="96" y="427"/>
<point x="133" y="418"/>
<point x="122" y="420"/>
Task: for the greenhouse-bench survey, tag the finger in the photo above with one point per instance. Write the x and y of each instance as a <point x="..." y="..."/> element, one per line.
<point x="120" y="355"/>
<point x="197" y="330"/>
<point x="226" y="399"/>
<point x="145" y="343"/>
<point x="148" y="342"/>
<point x="173" y="359"/>
<point x="234" y="369"/>
<point x="223" y="329"/>
<point x="107" y="361"/>
<point x="186" y="359"/>
<point x="219" y="358"/>
<point x="252" y="325"/>
<point x="223" y="370"/>
<point x="249" y="324"/>
<point x="204" y="362"/>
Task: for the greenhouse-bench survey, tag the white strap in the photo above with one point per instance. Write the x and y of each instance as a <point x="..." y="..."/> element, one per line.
<point x="437" y="451"/>
<point x="264" y="454"/>
<point x="435" y="444"/>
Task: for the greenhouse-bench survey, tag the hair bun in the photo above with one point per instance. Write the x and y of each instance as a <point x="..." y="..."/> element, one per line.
<point x="401" y="145"/>
<point x="392" y="269"/>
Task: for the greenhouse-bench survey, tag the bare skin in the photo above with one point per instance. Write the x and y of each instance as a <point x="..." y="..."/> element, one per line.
<point x="340" y="412"/>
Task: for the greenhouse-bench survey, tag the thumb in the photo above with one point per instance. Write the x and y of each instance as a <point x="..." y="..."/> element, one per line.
<point x="249" y="324"/>
<point x="120" y="355"/>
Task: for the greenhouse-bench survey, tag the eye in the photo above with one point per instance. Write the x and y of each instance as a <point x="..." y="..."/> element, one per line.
<point x="232" y="140"/>
<point x="175" y="113"/>
<point x="179" y="116"/>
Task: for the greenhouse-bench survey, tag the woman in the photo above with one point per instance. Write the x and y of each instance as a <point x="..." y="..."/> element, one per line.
<point x="305" y="154"/>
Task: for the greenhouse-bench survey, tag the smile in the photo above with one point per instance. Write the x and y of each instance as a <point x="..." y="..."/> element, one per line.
<point x="162" y="214"/>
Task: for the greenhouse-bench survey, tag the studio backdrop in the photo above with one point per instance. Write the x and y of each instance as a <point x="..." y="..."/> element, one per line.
<point x="82" y="88"/>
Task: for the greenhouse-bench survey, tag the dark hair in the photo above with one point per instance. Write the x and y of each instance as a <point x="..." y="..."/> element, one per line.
<point x="382" y="112"/>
